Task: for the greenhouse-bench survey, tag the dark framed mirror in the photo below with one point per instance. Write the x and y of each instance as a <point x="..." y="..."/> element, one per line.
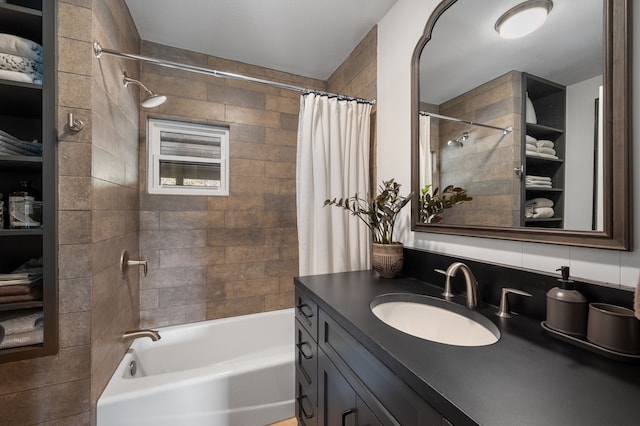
<point x="535" y="130"/>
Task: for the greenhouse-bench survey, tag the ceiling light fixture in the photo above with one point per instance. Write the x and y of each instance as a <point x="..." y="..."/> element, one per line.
<point x="523" y="19"/>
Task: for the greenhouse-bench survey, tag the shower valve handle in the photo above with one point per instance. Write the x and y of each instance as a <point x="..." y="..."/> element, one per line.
<point x="126" y="262"/>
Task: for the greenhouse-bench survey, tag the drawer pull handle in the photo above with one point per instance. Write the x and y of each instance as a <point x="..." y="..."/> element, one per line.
<point x="301" y="308"/>
<point x="300" y="346"/>
<point x="345" y="413"/>
<point x="302" y="410"/>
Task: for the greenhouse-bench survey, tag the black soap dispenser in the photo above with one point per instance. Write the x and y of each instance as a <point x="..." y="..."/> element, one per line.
<point x="566" y="307"/>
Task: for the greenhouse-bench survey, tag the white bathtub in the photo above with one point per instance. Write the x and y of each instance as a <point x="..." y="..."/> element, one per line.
<point x="232" y="371"/>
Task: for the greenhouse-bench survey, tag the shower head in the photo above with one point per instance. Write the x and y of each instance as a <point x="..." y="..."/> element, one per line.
<point x="459" y="141"/>
<point x="152" y="100"/>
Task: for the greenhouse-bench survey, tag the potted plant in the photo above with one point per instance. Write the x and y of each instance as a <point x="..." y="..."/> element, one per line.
<point x="380" y="214"/>
<point x="431" y="206"/>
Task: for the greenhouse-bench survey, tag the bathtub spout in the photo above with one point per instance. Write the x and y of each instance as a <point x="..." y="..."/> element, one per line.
<point x="135" y="334"/>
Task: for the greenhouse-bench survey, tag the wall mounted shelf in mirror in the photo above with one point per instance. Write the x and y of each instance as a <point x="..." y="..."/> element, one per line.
<point x="562" y="175"/>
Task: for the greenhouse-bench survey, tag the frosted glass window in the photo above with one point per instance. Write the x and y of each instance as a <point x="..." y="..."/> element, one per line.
<point x="187" y="158"/>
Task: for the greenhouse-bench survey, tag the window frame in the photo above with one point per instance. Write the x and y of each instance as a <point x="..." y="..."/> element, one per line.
<point x="154" y="129"/>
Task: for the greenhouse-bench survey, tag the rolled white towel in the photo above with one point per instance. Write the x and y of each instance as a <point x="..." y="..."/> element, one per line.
<point x="545" y="150"/>
<point x="539" y="202"/>
<point x="530" y="139"/>
<point x="543" y="212"/>
<point x="544" y="143"/>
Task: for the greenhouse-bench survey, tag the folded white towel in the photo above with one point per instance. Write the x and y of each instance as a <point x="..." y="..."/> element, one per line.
<point x="32" y="337"/>
<point x="538" y="185"/>
<point x="543" y="143"/>
<point x="536" y="177"/>
<point x="20" y="76"/>
<point x="18" y="63"/>
<point x="541" y="154"/>
<point x="542" y="212"/>
<point x="530" y="139"/>
<point x="8" y="141"/>
<point x="19" y="46"/>
<point x="539" y="202"/>
<point x="539" y="181"/>
<point x="22" y="324"/>
<point x="542" y="149"/>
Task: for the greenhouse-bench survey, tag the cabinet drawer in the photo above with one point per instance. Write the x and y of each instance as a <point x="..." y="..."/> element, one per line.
<point x="306" y="407"/>
<point x="306" y="357"/>
<point x="407" y="407"/>
<point x="307" y="313"/>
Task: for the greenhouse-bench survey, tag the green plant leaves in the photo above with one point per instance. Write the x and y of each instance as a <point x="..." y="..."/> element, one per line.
<point x="431" y="206"/>
<point x="379" y="213"/>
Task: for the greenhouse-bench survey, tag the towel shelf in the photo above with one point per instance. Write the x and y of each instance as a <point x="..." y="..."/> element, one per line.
<point x="28" y="112"/>
<point x="548" y="99"/>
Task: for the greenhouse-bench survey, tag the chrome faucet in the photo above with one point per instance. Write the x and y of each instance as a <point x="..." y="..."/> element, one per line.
<point x="136" y="334"/>
<point x="469" y="278"/>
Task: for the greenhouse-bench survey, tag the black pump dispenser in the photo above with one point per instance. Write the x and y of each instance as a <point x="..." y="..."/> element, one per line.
<point x="565" y="282"/>
<point x="566" y="307"/>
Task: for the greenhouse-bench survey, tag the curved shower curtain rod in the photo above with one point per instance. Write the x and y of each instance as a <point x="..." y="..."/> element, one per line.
<point x="98" y="51"/>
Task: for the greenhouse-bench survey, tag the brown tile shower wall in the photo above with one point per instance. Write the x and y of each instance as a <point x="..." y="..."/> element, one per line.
<point x="114" y="192"/>
<point x="212" y="257"/>
<point x="358" y="76"/>
<point x="485" y="167"/>
<point x="97" y="214"/>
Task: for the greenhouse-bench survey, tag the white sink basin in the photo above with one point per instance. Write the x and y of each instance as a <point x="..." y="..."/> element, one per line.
<point x="435" y="319"/>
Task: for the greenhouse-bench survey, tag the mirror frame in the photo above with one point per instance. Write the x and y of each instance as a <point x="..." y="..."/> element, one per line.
<point x="617" y="144"/>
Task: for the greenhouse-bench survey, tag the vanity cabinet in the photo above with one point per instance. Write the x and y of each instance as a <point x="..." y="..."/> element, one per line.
<point x="548" y="100"/>
<point x="340" y="404"/>
<point x="339" y="382"/>
<point x="306" y="329"/>
<point x="27" y="112"/>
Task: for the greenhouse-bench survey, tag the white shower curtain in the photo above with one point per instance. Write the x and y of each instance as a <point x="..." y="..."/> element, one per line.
<point x="333" y="161"/>
<point x="426" y="173"/>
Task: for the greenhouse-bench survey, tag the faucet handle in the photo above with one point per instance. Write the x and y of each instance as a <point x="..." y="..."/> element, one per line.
<point x="503" y="311"/>
<point x="447" y="284"/>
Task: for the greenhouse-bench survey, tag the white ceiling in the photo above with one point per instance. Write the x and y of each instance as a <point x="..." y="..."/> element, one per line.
<point x="465" y="50"/>
<point x="305" y="37"/>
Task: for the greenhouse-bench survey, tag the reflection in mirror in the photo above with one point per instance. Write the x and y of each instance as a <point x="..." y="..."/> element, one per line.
<point x="521" y="124"/>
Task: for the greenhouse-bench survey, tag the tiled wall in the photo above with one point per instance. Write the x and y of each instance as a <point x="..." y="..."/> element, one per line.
<point x="97" y="217"/>
<point x="114" y="192"/>
<point x="485" y="167"/>
<point x="209" y="257"/>
<point x="212" y="257"/>
<point x="357" y="76"/>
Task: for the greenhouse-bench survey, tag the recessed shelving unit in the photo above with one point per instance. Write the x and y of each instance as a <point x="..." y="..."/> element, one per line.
<point x="549" y="101"/>
<point x="27" y="112"/>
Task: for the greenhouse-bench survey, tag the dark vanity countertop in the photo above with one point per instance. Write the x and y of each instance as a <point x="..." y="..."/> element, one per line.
<point x="526" y="378"/>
